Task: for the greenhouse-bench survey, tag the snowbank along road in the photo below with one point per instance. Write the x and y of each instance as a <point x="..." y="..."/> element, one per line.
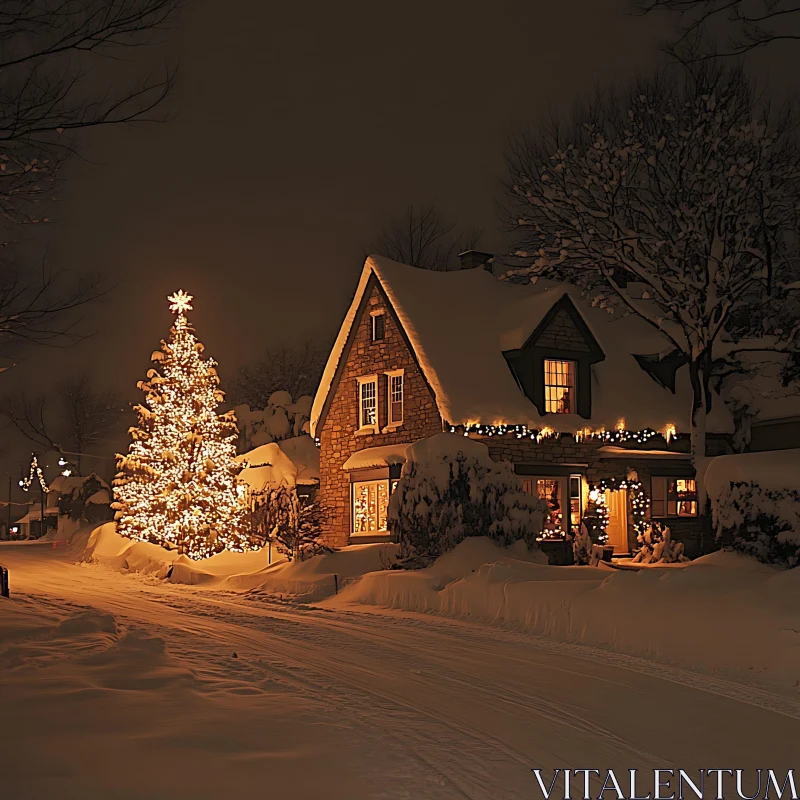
<point x="118" y="686"/>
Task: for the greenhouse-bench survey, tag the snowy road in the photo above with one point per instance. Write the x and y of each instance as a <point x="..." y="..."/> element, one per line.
<point x="137" y="694"/>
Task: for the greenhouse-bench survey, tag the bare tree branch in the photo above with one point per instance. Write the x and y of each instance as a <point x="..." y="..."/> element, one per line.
<point x="52" y="56"/>
<point x="711" y="29"/>
<point x="423" y="238"/>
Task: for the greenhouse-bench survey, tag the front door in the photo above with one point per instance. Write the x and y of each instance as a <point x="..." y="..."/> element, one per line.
<point x="617" y="530"/>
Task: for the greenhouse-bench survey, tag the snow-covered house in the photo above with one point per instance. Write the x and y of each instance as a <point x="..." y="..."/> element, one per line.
<point x="578" y="399"/>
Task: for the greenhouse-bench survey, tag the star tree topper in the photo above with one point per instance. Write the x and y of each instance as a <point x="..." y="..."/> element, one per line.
<point x="180" y="302"/>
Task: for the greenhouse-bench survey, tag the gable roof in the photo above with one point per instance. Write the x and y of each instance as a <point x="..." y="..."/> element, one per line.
<point x="460" y="323"/>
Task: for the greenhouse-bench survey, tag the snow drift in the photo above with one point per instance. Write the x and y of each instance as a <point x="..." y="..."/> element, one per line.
<point x="720" y="613"/>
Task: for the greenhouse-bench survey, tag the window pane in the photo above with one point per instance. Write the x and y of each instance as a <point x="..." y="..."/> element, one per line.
<point x="575" y="502"/>
<point x="378" y="327"/>
<point x="368" y="403"/>
<point x="370" y="501"/>
<point x="559" y="387"/>
<point x="395" y="398"/>
<point x="658" y="508"/>
<point x="550" y="490"/>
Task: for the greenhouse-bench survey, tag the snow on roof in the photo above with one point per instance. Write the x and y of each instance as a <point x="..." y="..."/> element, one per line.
<point x="267" y="465"/>
<point x="66" y="484"/>
<point x="292" y="461"/>
<point x="460" y="322"/>
<point x="100" y="497"/>
<point x="305" y="456"/>
<point x="377" y="456"/>
<point x="772" y="469"/>
<point x="610" y="451"/>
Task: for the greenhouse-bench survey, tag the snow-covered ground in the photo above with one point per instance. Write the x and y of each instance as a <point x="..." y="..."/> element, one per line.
<point x="129" y="686"/>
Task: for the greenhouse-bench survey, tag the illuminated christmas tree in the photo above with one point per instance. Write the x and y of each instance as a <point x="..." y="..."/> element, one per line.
<point x="177" y="486"/>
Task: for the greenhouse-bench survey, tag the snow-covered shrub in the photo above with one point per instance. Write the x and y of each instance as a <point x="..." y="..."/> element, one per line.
<point x="656" y="546"/>
<point x="278" y="514"/>
<point x="282" y="418"/>
<point x="451" y="489"/>
<point x="760" y="522"/>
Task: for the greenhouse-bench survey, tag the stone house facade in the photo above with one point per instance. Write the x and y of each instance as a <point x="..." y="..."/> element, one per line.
<point x="341" y="435"/>
<point x="390" y="381"/>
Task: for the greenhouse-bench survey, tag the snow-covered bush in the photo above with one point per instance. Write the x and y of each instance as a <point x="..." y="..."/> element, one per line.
<point x="760" y="522"/>
<point x="451" y="489"/>
<point x="278" y="514"/>
<point x="656" y="546"/>
<point x="282" y="418"/>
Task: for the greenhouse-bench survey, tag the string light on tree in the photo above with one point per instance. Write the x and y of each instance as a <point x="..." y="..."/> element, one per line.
<point x="177" y="486"/>
<point x="639" y="501"/>
<point x="35" y="473"/>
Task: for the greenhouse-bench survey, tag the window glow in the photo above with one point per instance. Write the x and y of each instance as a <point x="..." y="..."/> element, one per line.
<point x="559" y="387"/>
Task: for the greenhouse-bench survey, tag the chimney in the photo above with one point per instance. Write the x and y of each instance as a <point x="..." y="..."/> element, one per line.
<point x="474" y="258"/>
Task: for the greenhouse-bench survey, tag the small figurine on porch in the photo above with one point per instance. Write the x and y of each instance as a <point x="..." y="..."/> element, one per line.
<point x="582" y="545"/>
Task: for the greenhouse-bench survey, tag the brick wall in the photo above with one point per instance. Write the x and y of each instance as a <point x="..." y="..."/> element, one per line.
<point x="562" y="334"/>
<point x="338" y="438"/>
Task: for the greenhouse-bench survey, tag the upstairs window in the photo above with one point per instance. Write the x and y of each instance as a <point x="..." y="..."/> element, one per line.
<point x="394" y="398"/>
<point x="673" y="497"/>
<point x="378" y="326"/>
<point x="559" y="387"/>
<point x="368" y="402"/>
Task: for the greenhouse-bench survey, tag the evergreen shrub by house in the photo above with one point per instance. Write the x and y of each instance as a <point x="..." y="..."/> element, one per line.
<point x="764" y="523"/>
<point x="448" y="497"/>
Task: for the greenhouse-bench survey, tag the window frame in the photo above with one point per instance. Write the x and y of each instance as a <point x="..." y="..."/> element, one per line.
<point x="665" y="504"/>
<point x="377" y="531"/>
<point x="530" y="485"/>
<point x="367" y="427"/>
<point x="373" y="329"/>
<point x="573" y="387"/>
<point x="391" y="423"/>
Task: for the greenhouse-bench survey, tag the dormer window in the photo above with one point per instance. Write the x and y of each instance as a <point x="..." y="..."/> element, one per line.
<point x="378" y="325"/>
<point x="559" y="387"/>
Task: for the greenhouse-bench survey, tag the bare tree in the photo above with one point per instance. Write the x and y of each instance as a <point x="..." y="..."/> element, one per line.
<point x="713" y="28"/>
<point x="294" y="370"/>
<point x="52" y="53"/>
<point x="80" y="419"/>
<point x="423" y="238"/>
<point x="677" y="203"/>
<point x="89" y="415"/>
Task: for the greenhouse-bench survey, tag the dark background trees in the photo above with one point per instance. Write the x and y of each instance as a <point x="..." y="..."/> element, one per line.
<point x="720" y="28"/>
<point x="423" y="237"/>
<point x="675" y="201"/>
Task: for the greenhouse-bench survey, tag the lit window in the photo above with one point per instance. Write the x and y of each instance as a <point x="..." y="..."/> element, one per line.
<point x="559" y="387"/>
<point x="370" y="501"/>
<point x="575" y="486"/>
<point x="673" y="497"/>
<point x="378" y="326"/>
<point x="551" y="490"/>
<point x="394" y="397"/>
<point x="368" y="402"/>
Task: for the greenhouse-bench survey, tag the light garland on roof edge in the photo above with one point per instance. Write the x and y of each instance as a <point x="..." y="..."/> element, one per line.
<point x="584" y="434"/>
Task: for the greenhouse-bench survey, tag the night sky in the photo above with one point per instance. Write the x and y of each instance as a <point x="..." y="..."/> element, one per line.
<point x="298" y="128"/>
